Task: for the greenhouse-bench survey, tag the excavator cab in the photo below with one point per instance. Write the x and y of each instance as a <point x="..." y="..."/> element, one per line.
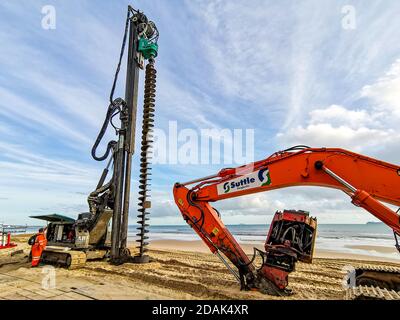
<point x="71" y="242"/>
<point x="59" y="229"/>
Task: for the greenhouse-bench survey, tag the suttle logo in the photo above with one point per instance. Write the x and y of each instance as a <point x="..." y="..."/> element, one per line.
<point x="259" y="178"/>
<point x="241" y="184"/>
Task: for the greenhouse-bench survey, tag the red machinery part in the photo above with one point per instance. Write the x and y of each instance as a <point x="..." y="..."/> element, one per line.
<point x="6" y="241"/>
<point x="291" y="238"/>
<point x="277" y="276"/>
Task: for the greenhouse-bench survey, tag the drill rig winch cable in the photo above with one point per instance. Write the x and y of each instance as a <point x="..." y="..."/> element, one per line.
<point x="115" y="105"/>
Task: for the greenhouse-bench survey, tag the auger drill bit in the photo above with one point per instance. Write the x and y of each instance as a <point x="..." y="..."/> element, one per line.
<point x="145" y="160"/>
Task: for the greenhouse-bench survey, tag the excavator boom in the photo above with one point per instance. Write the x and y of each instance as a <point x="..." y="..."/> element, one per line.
<point x="365" y="180"/>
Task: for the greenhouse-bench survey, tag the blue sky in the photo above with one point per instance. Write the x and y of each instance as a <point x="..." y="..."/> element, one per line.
<point x="286" y="69"/>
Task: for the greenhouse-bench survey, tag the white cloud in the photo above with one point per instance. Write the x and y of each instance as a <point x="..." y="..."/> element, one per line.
<point x="24" y="167"/>
<point x="326" y="135"/>
<point x="256" y="204"/>
<point x="234" y="46"/>
<point x="328" y="205"/>
<point x="245" y="68"/>
<point x="20" y="110"/>
<point x="184" y="105"/>
<point x="385" y="92"/>
<point x="372" y="129"/>
<point x="340" y="116"/>
<point x="33" y="183"/>
<point x="36" y="201"/>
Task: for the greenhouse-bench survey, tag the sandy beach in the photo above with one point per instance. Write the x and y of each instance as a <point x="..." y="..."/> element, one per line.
<point x="198" y="246"/>
<point x="179" y="270"/>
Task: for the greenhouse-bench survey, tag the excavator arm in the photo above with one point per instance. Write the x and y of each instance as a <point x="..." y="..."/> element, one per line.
<point x="365" y="180"/>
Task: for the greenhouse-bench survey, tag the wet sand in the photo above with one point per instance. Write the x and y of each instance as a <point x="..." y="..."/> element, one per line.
<point x="199" y="246"/>
<point x="179" y="270"/>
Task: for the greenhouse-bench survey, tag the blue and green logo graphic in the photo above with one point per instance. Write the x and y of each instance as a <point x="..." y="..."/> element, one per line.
<point x="264" y="177"/>
<point x="227" y="188"/>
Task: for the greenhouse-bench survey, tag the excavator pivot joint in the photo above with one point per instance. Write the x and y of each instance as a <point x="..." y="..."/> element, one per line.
<point x="318" y="165"/>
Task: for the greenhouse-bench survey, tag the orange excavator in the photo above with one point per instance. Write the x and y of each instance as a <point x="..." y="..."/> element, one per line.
<point x="367" y="181"/>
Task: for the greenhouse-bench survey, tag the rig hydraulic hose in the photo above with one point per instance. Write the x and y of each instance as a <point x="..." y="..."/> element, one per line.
<point x="112" y="109"/>
<point x="115" y="104"/>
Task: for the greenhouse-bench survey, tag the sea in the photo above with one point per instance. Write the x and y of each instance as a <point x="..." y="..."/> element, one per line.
<point x="332" y="237"/>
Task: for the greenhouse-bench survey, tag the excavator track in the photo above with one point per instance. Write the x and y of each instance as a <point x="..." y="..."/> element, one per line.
<point x="78" y="259"/>
<point x="375" y="283"/>
<point x="70" y="259"/>
<point x="371" y="293"/>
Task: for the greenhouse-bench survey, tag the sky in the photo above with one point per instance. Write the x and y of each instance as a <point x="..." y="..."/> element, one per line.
<point x="323" y="74"/>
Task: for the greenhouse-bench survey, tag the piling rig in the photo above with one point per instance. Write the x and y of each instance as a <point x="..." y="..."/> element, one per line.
<point x="91" y="237"/>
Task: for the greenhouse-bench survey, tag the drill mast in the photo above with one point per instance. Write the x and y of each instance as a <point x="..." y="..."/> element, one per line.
<point x="114" y="195"/>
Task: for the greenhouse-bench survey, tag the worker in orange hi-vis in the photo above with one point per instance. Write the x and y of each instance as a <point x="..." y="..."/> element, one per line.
<point x="38" y="247"/>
